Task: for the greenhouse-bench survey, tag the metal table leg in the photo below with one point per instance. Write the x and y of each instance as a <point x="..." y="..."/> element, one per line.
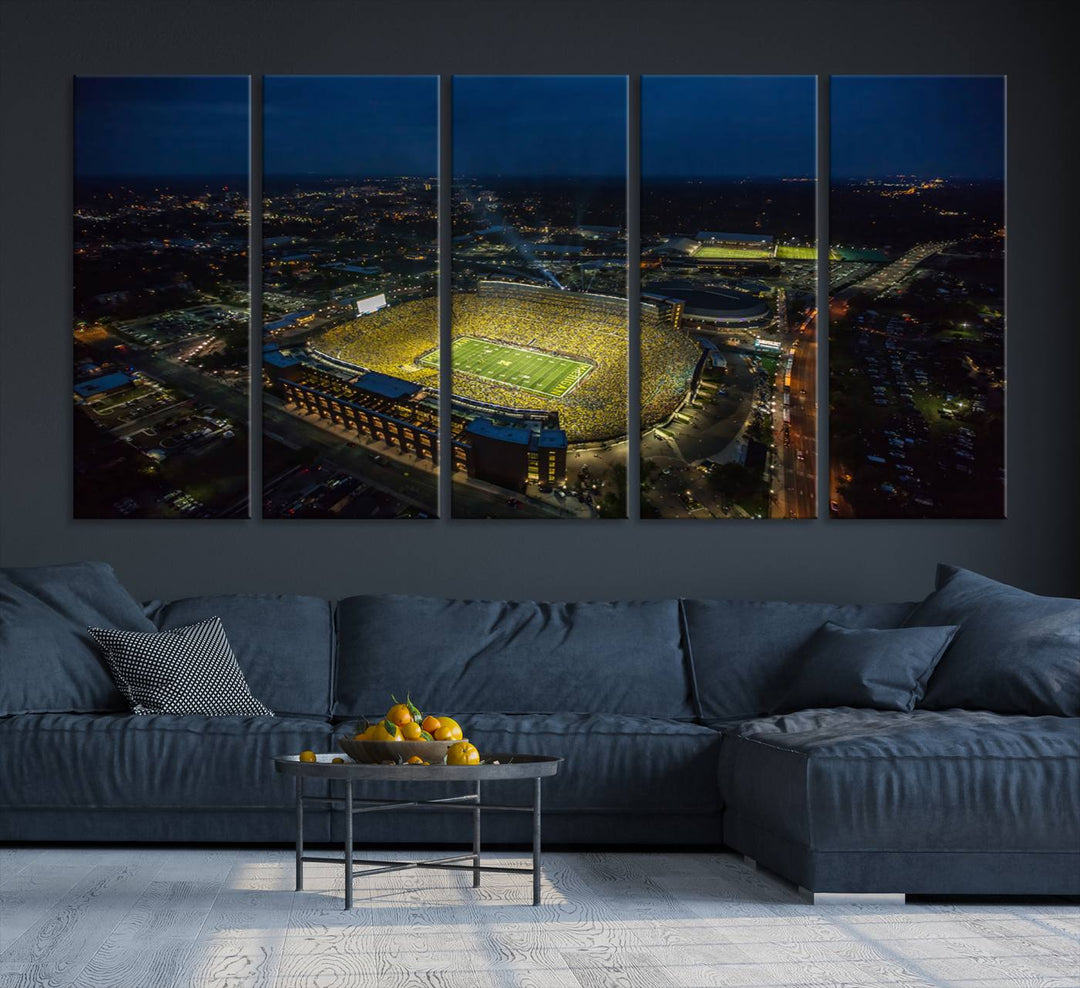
<point x="348" y="844"/>
<point x="536" y="841"/>
<point x="476" y="840"/>
<point x="299" y="833"/>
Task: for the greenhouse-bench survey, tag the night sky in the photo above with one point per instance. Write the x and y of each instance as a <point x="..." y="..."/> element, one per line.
<point x="351" y="125"/>
<point x="728" y="126"/>
<point x="540" y="126"/>
<point x="927" y="126"/>
<point x="161" y="125"/>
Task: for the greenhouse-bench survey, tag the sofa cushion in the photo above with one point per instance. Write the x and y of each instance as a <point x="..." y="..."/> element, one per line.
<point x="284" y="644"/>
<point x="865" y="780"/>
<point x="118" y="761"/>
<point x="743" y="652"/>
<point x="614" y="763"/>
<point x="48" y="662"/>
<point x="475" y="656"/>
<point x="1015" y="652"/>
<point x="882" y="669"/>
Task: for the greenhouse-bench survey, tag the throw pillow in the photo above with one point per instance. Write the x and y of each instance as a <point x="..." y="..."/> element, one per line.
<point x="883" y="669"/>
<point x="189" y="670"/>
<point x="1015" y="652"/>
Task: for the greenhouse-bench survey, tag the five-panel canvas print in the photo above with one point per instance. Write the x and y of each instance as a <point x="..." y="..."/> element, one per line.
<point x="533" y="351"/>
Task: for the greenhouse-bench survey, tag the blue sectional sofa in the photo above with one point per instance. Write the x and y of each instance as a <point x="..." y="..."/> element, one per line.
<point x="662" y="710"/>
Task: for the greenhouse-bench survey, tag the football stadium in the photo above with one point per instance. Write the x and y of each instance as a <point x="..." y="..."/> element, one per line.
<point x="525" y="346"/>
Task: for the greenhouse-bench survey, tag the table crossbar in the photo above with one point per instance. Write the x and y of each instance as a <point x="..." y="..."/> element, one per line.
<point x="375" y="805"/>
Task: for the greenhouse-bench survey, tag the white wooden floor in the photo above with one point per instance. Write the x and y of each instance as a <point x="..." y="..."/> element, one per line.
<point x="169" y="918"/>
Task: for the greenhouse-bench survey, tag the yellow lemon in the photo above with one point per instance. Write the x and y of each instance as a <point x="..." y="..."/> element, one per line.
<point x="452" y="724"/>
<point x="448" y="730"/>
<point x="337" y="761"/>
<point x="462" y="753"/>
<point x="308" y="756"/>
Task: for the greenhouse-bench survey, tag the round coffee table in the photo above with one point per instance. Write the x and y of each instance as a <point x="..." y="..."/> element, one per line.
<point x="535" y="767"/>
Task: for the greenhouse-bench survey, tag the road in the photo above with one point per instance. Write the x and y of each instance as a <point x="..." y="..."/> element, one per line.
<point x="891" y="275"/>
<point x="800" y="471"/>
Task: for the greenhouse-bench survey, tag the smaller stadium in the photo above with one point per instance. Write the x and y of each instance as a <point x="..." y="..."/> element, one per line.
<point x="540" y="373"/>
<point x="721" y="307"/>
<point x="708" y="247"/>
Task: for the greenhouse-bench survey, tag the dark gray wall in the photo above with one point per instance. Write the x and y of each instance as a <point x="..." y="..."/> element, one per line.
<point x="45" y="42"/>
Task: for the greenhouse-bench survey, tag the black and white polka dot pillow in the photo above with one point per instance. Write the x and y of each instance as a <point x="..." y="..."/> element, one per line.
<point x="189" y="670"/>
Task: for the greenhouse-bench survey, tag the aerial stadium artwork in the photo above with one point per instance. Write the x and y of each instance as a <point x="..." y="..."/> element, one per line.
<point x="917" y="307"/>
<point x="728" y="289"/>
<point x="161" y="301"/>
<point x="533" y="365"/>
<point x="539" y="328"/>
<point x="350" y="268"/>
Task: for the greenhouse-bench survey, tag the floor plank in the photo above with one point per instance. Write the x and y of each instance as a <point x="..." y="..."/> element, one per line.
<point x="31" y="895"/>
<point x="56" y="948"/>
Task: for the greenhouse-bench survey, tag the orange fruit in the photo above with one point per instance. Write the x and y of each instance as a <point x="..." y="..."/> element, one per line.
<point x="462" y="753"/>
<point x="385" y="731"/>
<point x="308" y="756"/>
<point x="399" y="714"/>
<point x="415" y="760"/>
<point x="337" y="761"/>
<point x="431" y="724"/>
<point x="411" y="731"/>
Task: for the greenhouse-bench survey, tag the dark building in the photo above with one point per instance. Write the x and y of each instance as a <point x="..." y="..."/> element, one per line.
<point x="513" y="455"/>
<point x="396" y="412"/>
<point x="405" y="416"/>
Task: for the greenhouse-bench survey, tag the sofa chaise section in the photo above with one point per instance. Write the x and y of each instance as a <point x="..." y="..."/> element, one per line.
<point x="931" y="802"/>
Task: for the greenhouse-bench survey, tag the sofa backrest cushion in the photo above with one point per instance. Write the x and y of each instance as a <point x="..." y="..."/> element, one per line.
<point x="487" y="656"/>
<point x="284" y="644"/>
<point x="1015" y="652"/>
<point x="742" y="651"/>
<point x="48" y="661"/>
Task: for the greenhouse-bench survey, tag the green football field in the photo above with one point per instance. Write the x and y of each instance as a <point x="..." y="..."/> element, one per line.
<point x="787" y="253"/>
<point x="543" y="373"/>
<point x="733" y="253"/>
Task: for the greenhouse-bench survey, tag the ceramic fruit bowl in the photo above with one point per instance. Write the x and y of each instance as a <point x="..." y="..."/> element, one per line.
<point x="377" y="752"/>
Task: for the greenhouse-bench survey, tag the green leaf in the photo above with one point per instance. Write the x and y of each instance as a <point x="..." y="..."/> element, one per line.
<point x="413" y="709"/>
<point x="426" y="736"/>
<point x="390" y="727"/>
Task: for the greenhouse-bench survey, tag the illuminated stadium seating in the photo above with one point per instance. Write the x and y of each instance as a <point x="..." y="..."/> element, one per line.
<point x="585" y="326"/>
